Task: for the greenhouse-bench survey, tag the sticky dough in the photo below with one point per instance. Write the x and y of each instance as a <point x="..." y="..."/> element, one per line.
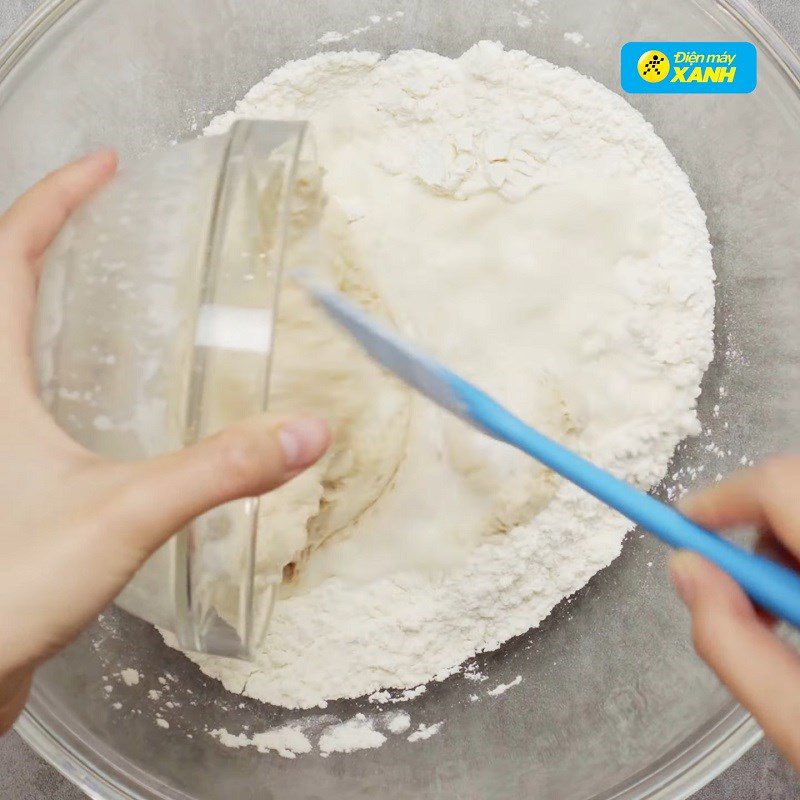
<point x="404" y="485"/>
<point x="318" y="370"/>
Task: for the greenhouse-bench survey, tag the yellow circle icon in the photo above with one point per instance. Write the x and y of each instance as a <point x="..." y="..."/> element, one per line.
<point x="653" y="66"/>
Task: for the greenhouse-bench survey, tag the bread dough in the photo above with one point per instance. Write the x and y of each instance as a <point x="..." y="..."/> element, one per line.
<point x="317" y="370"/>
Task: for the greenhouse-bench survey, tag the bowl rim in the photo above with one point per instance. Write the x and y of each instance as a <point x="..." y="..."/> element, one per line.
<point x="682" y="772"/>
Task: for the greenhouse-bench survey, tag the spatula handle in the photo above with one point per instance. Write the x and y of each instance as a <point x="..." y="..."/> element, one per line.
<point x="772" y="586"/>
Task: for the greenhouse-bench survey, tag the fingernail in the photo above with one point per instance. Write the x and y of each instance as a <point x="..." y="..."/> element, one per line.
<point x="303" y="441"/>
<point x="682" y="580"/>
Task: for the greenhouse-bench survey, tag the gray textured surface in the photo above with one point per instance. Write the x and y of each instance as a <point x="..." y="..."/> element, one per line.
<point x="762" y="774"/>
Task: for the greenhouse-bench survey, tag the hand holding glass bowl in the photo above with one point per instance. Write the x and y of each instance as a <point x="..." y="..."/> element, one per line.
<point x="75" y="527"/>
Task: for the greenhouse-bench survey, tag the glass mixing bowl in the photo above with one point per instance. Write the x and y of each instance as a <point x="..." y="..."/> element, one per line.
<point x="613" y="703"/>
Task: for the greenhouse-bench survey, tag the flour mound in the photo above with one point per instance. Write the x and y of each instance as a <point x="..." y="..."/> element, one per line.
<point x="527" y="226"/>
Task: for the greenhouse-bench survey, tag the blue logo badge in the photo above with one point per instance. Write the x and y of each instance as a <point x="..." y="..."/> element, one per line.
<point x="688" y="67"/>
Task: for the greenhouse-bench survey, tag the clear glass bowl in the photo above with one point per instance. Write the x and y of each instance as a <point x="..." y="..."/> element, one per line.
<point x="613" y="703"/>
<point x="138" y="338"/>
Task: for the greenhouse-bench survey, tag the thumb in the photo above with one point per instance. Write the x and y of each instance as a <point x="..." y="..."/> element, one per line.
<point x="250" y="458"/>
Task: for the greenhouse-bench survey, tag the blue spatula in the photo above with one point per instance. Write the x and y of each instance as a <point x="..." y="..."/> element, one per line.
<point x="772" y="586"/>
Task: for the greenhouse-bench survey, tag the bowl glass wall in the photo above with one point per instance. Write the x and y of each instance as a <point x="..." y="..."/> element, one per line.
<point x="613" y="701"/>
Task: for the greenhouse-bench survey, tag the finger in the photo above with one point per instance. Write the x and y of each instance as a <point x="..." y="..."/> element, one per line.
<point x="28" y="227"/>
<point x="14" y="689"/>
<point x="763" y="496"/>
<point x="768" y="546"/>
<point x="761" y="671"/>
<point x="246" y="460"/>
<point x="25" y="231"/>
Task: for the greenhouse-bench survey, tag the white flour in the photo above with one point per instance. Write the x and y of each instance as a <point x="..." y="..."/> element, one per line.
<point x="399" y="723"/>
<point x="346" y="737"/>
<point x="527" y="225"/>
<point x="130" y="677"/>
<point x="573" y="36"/>
<point x="286" y="741"/>
<point x="424" y="732"/>
<point x="502" y="688"/>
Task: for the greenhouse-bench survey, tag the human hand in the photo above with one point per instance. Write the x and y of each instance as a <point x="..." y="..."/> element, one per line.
<point x="74" y="527"/>
<point x="729" y="633"/>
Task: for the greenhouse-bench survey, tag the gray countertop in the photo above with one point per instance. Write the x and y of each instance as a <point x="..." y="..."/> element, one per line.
<point x="762" y="774"/>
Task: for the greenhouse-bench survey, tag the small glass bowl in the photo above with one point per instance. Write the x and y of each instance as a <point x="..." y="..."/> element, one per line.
<point x="156" y="298"/>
